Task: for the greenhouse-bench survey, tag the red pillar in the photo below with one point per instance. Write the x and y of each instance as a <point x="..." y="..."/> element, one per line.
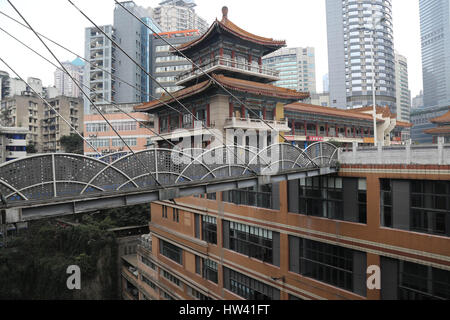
<point x="233" y="57"/>
<point x="243" y="112"/>
<point x="264" y="113"/>
<point x="260" y="64"/>
<point x="193" y="118"/>
<point x="180" y="118"/>
<point x="306" y="128"/>
<point x="231" y="110"/>
<point x="326" y="129"/>
<point x="250" y="60"/>
<point x="293" y="127"/>
<point x="337" y="131"/>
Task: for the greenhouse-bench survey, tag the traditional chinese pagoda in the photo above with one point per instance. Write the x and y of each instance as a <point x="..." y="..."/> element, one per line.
<point x="442" y="129"/>
<point x="233" y="58"/>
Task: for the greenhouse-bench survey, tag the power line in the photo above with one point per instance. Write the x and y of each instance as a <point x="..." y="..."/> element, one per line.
<point x="152" y="77"/>
<point x="113" y="103"/>
<point x="90" y="100"/>
<point x="90" y="63"/>
<point x="49" y="105"/>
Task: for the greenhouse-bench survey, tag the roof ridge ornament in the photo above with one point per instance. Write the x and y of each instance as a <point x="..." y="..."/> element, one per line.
<point x="224" y="13"/>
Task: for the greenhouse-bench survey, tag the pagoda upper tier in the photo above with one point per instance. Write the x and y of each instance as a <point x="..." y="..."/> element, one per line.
<point x="229" y="50"/>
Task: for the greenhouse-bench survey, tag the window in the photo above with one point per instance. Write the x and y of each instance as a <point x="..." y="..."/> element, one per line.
<point x="252" y="241"/>
<point x="176" y="215"/>
<point x="164" y="212"/>
<point x="209" y="229"/>
<point x="416" y="205"/>
<point x="251" y="197"/>
<point x="197" y="295"/>
<point x="148" y="263"/>
<point x="211" y="196"/>
<point x="248" y="288"/>
<point x="412" y="281"/>
<point x="329" y="197"/>
<point x="171" y="278"/>
<point x="170" y="251"/>
<point x="328" y="263"/>
<point x="150" y="283"/>
<point x="210" y="270"/>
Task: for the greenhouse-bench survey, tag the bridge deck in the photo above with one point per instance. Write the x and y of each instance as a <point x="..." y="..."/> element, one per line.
<point x="59" y="184"/>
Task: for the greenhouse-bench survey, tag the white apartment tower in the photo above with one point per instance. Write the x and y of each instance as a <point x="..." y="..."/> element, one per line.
<point x="297" y="68"/>
<point x="64" y="84"/>
<point x="402" y="84"/>
<point x="360" y="38"/>
<point x="178" y="15"/>
<point x="99" y="53"/>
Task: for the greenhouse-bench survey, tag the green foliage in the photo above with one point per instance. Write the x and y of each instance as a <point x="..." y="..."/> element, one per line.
<point x="31" y="148"/>
<point x="72" y="144"/>
<point x="34" y="265"/>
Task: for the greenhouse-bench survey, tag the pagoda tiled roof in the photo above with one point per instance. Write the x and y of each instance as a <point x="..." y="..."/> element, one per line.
<point x="228" y="26"/>
<point x="442" y="119"/>
<point x="233" y="84"/>
<point x="341" y="113"/>
<point x="438" y="130"/>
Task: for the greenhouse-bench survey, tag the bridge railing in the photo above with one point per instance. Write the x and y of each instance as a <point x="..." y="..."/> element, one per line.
<point x="51" y="176"/>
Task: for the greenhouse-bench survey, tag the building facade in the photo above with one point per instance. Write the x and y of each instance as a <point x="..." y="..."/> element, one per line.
<point x="99" y="51"/>
<point x="435" y="35"/>
<point x="133" y="37"/>
<point x="65" y="84"/>
<point x="402" y="89"/>
<point x="296" y="67"/>
<point x="421" y="119"/>
<point x="102" y="137"/>
<point x="165" y="66"/>
<point x="26" y="112"/>
<point x="178" y="15"/>
<point x="352" y="37"/>
<point x="53" y="128"/>
<point x="417" y="101"/>
<point x="13" y="143"/>
<point x="312" y="238"/>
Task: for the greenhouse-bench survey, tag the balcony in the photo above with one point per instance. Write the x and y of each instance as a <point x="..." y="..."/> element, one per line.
<point x="257" y="124"/>
<point x="254" y="72"/>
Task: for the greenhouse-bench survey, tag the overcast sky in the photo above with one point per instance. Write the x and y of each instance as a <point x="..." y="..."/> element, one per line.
<point x="300" y="22"/>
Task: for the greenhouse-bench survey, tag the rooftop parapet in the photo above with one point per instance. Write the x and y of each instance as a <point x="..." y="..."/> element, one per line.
<point x="432" y="154"/>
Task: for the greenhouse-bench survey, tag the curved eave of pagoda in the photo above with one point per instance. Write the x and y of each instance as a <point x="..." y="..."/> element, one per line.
<point x="269" y="45"/>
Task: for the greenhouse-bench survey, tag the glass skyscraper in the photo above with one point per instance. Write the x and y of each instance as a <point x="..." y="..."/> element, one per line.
<point x="351" y="39"/>
<point x="435" y="34"/>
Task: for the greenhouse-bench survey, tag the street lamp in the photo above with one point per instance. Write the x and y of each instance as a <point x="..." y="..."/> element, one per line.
<point x="375" y="24"/>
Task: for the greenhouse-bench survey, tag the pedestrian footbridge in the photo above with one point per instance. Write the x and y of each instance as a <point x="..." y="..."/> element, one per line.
<point x="47" y="185"/>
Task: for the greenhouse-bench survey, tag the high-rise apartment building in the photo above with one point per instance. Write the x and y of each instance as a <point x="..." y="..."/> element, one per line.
<point x="99" y="51"/>
<point x="130" y="82"/>
<point x="133" y="37"/>
<point x="165" y="66"/>
<point x="402" y="88"/>
<point x="352" y="36"/>
<point x="297" y="68"/>
<point x="64" y="83"/>
<point x="435" y="34"/>
<point x="177" y="15"/>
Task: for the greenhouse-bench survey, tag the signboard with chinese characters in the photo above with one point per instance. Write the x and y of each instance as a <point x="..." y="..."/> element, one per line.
<point x="314" y="139"/>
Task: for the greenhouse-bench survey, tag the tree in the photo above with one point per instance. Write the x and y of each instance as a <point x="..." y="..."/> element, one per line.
<point x="72" y="144"/>
<point x="31" y="148"/>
